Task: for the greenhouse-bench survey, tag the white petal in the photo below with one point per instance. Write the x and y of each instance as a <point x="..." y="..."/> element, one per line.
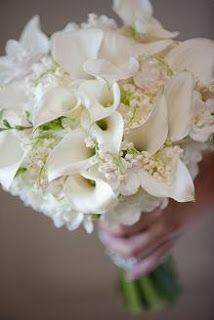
<point x="195" y="55"/>
<point x="70" y="155"/>
<point x="156" y="30"/>
<point x="153" y="133"/>
<point x="11" y="158"/>
<point x="132" y="10"/>
<point x="132" y="182"/>
<point x="151" y="48"/>
<point x="73" y="220"/>
<point x="180" y="189"/>
<point x="33" y="39"/>
<point x="72" y="49"/>
<point x="179" y="97"/>
<point x="102" y="68"/>
<point x="88" y="193"/>
<point x="107" y="132"/>
<point x="13" y="95"/>
<point x="130" y="209"/>
<point x="57" y="102"/>
<point x="100" y="98"/>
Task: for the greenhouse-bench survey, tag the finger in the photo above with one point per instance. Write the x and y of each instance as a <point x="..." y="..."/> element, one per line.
<point x="134" y="246"/>
<point x="126" y="231"/>
<point x="150" y="263"/>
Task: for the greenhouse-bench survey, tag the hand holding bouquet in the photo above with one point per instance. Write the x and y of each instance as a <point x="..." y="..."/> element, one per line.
<point x="101" y="121"/>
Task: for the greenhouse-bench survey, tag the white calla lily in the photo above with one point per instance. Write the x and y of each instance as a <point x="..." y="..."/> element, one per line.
<point x="72" y="49"/>
<point x="118" y="56"/>
<point x="100" y="98"/>
<point x="102" y="68"/>
<point x="20" y="56"/>
<point x="60" y="101"/>
<point x="101" y="53"/>
<point x="139" y="14"/>
<point x="181" y="188"/>
<point x="179" y="97"/>
<point x="195" y="55"/>
<point x="153" y="133"/>
<point x="107" y="132"/>
<point x="12" y="156"/>
<point x="74" y="155"/>
<point x="89" y="193"/>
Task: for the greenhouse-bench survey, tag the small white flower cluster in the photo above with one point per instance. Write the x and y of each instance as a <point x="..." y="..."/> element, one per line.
<point x="135" y="105"/>
<point x="103" y="121"/>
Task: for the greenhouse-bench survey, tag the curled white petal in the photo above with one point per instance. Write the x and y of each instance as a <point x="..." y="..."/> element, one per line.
<point x="57" y="102"/>
<point x="88" y="193"/>
<point x="33" y="39"/>
<point x="195" y="55"/>
<point x="180" y="189"/>
<point x="105" y="69"/>
<point x="156" y="30"/>
<point x="107" y="132"/>
<point x="179" y="97"/>
<point x="139" y="14"/>
<point x="11" y="158"/>
<point x="153" y="133"/>
<point x="70" y="155"/>
<point x="152" y="48"/>
<point x="131" y="11"/>
<point x="72" y="49"/>
<point x="100" y="98"/>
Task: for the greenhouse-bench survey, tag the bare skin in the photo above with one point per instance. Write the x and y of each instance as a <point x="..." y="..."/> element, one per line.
<point x="154" y="236"/>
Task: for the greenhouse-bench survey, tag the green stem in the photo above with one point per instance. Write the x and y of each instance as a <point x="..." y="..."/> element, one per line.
<point x="151" y="292"/>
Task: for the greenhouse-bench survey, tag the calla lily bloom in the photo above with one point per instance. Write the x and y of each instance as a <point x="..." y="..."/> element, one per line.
<point x="153" y="133"/>
<point x="139" y="14"/>
<point x="107" y="132"/>
<point x="72" y="49"/>
<point x="180" y="188"/>
<point x="118" y="56"/>
<point x="195" y="55"/>
<point x="20" y="56"/>
<point x="103" y="54"/>
<point x="74" y="155"/>
<point x="12" y="156"/>
<point x="100" y="98"/>
<point x="179" y="97"/>
<point x="89" y="193"/>
<point x="60" y="101"/>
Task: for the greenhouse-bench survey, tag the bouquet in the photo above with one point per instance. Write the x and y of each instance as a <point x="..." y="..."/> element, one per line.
<point x="106" y="122"/>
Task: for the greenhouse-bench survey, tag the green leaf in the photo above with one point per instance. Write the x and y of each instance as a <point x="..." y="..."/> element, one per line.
<point x="20" y="171"/>
<point x="53" y="125"/>
<point x="1" y="114"/>
<point x="6" y="124"/>
<point x="21" y="128"/>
